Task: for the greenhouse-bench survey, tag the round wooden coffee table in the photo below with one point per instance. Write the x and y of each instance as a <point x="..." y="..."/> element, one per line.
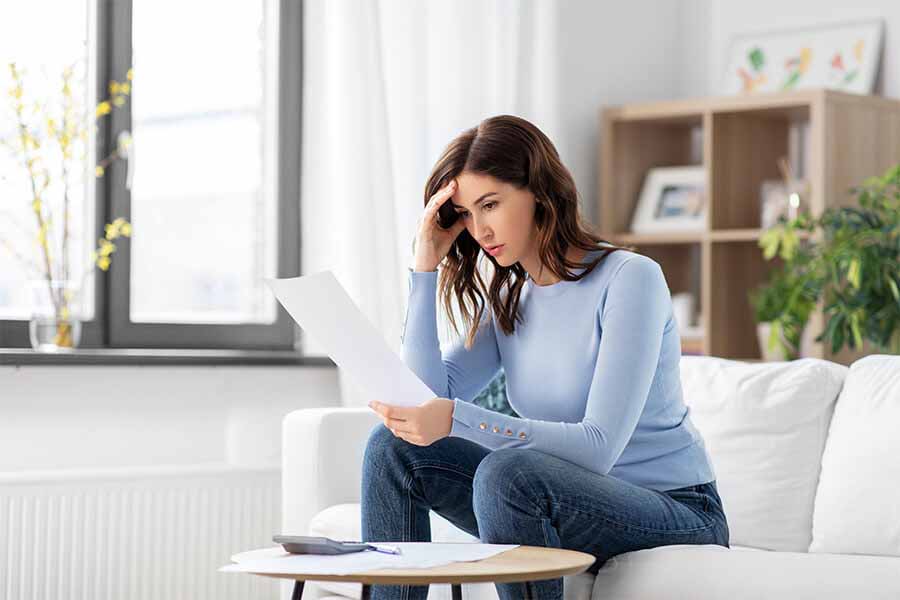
<point x="525" y="563"/>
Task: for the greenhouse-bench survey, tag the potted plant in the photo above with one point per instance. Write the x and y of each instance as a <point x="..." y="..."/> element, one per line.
<point x="849" y="258"/>
<point x="781" y="309"/>
<point x="39" y="138"/>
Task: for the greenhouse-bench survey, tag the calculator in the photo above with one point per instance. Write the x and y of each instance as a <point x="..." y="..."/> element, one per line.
<point x="305" y="544"/>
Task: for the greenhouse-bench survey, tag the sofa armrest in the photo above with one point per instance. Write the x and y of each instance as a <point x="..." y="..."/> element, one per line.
<point x="322" y="452"/>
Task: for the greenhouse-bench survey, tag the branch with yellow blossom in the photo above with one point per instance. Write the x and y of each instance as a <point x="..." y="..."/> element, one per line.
<point x="29" y="147"/>
<point x="27" y="140"/>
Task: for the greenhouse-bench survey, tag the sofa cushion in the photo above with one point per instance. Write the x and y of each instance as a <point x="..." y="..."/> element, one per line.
<point x="342" y="522"/>
<point x="714" y="572"/>
<point x="764" y="425"/>
<point x="857" y="507"/>
<point x="683" y="571"/>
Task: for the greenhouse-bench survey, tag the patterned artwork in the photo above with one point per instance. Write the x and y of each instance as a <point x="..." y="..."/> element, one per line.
<point x="843" y="57"/>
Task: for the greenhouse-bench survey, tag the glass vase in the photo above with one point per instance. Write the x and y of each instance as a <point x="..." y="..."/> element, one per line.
<point x="56" y="315"/>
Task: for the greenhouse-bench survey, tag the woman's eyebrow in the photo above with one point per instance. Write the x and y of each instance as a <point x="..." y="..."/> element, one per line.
<point x="477" y="201"/>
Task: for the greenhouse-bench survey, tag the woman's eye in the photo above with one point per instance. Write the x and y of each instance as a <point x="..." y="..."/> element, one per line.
<point x="486" y="206"/>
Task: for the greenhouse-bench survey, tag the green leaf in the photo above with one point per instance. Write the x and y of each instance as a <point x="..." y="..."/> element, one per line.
<point x="769" y="243"/>
<point x="757" y="59"/>
<point x="853" y="273"/>
<point x="854" y="327"/>
<point x="893" y="285"/>
<point x="790" y="81"/>
<point x="837" y="341"/>
<point x="789" y="245"/>
<point x="773" y="334"/>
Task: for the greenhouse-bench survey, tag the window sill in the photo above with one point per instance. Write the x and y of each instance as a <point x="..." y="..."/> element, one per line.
<point x="161" y="356"/>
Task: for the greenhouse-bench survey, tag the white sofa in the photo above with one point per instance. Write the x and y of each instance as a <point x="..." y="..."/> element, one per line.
<point x="807" y="458"/>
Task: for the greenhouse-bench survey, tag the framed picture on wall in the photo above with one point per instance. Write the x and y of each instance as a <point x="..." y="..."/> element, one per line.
<point x="672" y="199"/>
<point x="841" y="56"/>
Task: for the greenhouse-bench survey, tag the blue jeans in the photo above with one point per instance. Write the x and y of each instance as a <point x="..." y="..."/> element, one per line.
<point x="519" y="496"/>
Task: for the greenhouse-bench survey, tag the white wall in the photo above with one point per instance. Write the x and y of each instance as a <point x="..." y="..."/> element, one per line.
<point x="610" y="53"/>
<point x="98" y="417"/>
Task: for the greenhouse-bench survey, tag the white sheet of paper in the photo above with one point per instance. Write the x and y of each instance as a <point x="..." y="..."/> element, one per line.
<point x="322" y="307"/>
<point x="414" y="555"/>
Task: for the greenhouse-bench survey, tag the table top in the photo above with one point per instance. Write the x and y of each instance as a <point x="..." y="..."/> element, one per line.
<point x="524" y="563"/>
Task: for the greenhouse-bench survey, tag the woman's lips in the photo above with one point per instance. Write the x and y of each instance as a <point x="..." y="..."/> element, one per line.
<point x="496" y="250"/>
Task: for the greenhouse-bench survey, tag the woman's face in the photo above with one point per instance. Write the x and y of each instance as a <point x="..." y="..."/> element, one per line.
<point x="496" y="212"/>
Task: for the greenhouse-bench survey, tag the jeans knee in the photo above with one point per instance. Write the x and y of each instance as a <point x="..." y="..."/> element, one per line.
<point x="493" y="476"/>
<point x="380" y="439"/>
<point x="384" y="448"/>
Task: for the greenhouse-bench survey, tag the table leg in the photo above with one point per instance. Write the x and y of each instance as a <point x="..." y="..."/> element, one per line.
<point x="298" y="590"/>
<point x="366" y="591"/>
<point x="455" y="590"/>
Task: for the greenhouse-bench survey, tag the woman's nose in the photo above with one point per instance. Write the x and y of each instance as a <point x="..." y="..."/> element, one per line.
<point x="479" y="231"/>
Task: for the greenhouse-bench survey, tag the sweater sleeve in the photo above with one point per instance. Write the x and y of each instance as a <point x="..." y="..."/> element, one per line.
<point x="632" y="321"/>
<point x="457" y="373"/>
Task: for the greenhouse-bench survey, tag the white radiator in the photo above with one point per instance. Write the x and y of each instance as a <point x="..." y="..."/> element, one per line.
<point x="135" y="534"/>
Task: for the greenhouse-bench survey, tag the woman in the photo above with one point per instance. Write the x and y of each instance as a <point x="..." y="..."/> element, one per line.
<point x="605" y="458"/>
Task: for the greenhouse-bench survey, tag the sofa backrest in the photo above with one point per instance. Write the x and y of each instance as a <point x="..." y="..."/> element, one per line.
<point x="857" y="505"/>
<point x="764" y="425"/>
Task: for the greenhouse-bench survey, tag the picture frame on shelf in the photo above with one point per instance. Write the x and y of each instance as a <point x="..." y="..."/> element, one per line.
<point x="672" y="199"/>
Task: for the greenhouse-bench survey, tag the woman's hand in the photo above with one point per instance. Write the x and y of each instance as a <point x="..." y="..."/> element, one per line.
<point x="433" y="241"/>
<point x="421" y="425"/>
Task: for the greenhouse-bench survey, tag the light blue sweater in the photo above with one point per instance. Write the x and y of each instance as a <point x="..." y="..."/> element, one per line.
<point x="592" y="370"/>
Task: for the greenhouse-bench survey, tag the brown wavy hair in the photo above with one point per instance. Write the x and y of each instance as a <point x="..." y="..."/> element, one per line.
<point x="513" y="150"/>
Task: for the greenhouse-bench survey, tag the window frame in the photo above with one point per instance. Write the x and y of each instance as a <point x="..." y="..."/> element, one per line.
<point x="111" y="327"/>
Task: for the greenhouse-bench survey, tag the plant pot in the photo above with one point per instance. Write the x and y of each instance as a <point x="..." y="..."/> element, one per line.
<point x="763" y="331"/>
<point x="56" y="315"/>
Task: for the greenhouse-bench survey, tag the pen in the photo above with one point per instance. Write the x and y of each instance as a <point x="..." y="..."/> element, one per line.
<point x="385" y="548"/>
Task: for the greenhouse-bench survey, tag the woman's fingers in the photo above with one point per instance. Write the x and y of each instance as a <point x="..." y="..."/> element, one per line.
<point x="388" y="411"/>
<point x="396" y="428"/>
<point x="412" y="439"/>
<point x="394" y="423"/>
<point x="434" y="203"/>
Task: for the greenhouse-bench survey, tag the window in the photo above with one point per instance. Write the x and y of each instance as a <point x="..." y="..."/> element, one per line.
<point x="212" y="187"/>
<point x="39" y="66"/>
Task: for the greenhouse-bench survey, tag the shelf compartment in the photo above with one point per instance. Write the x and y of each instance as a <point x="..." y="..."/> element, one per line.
<point x="746" y="150"/>
<point x="640" y="146"/>
<point x="736" y="268"/>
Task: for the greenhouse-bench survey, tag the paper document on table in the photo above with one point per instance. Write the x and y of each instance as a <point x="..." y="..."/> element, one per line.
<point x="322" y="307"/>
<point x="414" y="555"/>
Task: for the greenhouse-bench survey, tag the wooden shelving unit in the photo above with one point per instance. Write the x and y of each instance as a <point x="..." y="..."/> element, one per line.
<point x="851" y="137"/>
